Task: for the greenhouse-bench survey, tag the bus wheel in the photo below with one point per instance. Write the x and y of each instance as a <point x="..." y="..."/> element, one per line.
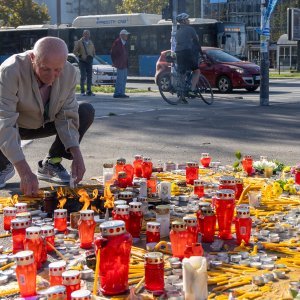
<point x="224" y="84"/>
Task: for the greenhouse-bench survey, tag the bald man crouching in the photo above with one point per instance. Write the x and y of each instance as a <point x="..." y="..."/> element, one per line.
<point x="37" y="99"/>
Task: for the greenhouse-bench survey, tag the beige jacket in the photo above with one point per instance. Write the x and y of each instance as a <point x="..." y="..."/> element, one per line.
<point x="21" y="105"/>
<point x="80" y="51"/>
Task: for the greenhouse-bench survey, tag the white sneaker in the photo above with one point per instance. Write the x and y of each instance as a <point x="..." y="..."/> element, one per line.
<point x="6" y="174"/>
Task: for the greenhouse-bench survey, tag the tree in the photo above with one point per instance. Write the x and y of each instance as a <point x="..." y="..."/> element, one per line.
<point x="22" y="12"/>
<point x="142" y="6"/>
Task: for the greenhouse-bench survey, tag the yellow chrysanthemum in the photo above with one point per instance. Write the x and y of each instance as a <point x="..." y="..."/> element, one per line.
<point x="291" y="181"/>
<point x="276" y="185"/>
<point x="293" y="190"/>
<point x="286" y="187"/>
<point x="277" y="191"/>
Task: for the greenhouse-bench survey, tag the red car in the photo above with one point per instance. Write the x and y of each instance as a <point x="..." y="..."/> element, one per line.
<point x="222" y="70"/>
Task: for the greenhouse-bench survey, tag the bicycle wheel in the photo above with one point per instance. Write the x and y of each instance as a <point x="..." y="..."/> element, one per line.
<point x="167" y="86"/>
<point x="204" y="90"/>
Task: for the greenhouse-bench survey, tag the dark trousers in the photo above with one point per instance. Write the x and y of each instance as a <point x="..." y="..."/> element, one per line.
<point x="86" y="118"/>
<point x="86" y="71"/>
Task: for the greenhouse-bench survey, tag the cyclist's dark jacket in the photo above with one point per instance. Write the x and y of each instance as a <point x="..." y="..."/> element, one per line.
<point x="186" y="38"/>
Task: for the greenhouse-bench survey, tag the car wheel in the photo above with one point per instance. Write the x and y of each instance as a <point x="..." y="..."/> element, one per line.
<point x="164" y="82"/>
<point x="224" y="84"/>
<point x="251" y="88"/>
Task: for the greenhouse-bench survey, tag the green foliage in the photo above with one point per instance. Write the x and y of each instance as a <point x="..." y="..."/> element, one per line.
<point x="238" y="155"/>
<point x="237" y="164"/>
<point x="141" y="6"/>
<point x="22" y="12"/>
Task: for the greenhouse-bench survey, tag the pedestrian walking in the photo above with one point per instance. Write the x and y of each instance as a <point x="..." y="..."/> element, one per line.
<point x="119" y="57"/>
<point x="85" y="51"/>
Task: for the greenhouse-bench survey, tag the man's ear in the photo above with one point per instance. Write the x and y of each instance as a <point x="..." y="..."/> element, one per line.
<point x="32" y="56"/>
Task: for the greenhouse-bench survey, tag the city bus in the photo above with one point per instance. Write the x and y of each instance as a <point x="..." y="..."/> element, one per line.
<point x="149" y="35"/>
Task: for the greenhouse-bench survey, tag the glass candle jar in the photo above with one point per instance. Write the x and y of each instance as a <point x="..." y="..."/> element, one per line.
<point x="108" y="172"/>
<point x="151" y="185"/>
<point x="48" y="235"/>
<point x="137" y="165"/>
<point x="60" y="219"/>
<point x="18" y="230"/>
<point x="191" y="172"/>
<point x="205" y="159"/>
<point x="57" y="292"/>
<point x="227" y="183"/>
<point x="129" y="170"/>
<point x="152" y="232"/>
<point x="114" y="244"/>
<point x="247" y="164"/>
<point x="199" y="213"/>
<point x="55" y="272"/>
<point x="21" y="207"/>
<point x="147" y="167"/>
<point x="199" y="188"/>
<point x="126" y="196"/>
<point x="239" y="184"/>
<point x="119" y="165"/>
<point x="192" y="229"/>
<point x="297" y="176"/>
<point x="135" y="219"/>
<point x="9" y="213"/>
<point x="34" y="242"/>
<point x="163" y="217"/>
<point x="225" y="204"/>
<point x="169" y="166"/>
<point x="145" y="205"/>
<point x="154" y="273"/>
<point x="86" y="228"/>
<point x="207" y="224"/>
<point x="178" y="238"/>
<point x="243" y="224"/>
<point x="25" y="215"/>
<point x="122" y="214"/>
<point x="50" y="202"/>
<point x="71" y="280"/>
<point x="26" y="273"/>
<point x="81" y="295"/>
<point x="122" y="180"/>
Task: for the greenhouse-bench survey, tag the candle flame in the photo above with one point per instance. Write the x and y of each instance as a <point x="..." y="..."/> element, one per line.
<point x="15" y="199"/>
<point x="108" y="196"/>
<point x="84" y="198"/>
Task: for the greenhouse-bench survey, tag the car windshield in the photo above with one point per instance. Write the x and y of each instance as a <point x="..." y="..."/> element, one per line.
<point x="221" y="56"/>
<point x="99" y="61"/>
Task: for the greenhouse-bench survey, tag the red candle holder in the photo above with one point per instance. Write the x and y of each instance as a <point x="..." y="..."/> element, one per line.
<point x="239" y="187"/>
<point x="34" y="242"/>
<point x="243" y="224"/>
<point x="191" y="172"/>
<point x="178" y="238"/>
<point x="137" y="165"/>
<point x="129" y="170"/>
<point x="114" y="244"/>
<point x="227" y="183"/>
<point x="48" y="235"/>
<point x="135" y="219"/>
<point x="60" y="219"/>
<point x="154" y="273"/>
<point x="297" y="176"/>
<point x="122" y="214"/>
<point x="21" y="207"/>
<point x="18" y="230"/>
<point x="25" y="215"/>
<point x="122" y="180"/>
<point x="199" y="213"/>
<point x="71" y="280"/>
<point x="192" y="229"/>
<point x="199" y="188"/>
<point x="205" y="160"/>
<point x="152" y="232"/>
<point x="26" y="273"/>
<point x="86" y="228"/>
<point x="81" y="295"/>
<point x="9" y="213"/>
<point x="55" y="272"/>
<point x="194" y="249"/>
<point x="247" y="164"/>
<point x="225" y="204"/>
<point x="207" y="224"/>
<point x="119" y="165"/>
<point x="147" y="167"/>
<point x="152" y="185"/>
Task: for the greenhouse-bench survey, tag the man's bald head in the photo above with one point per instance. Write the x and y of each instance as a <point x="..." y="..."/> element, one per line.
<point x="49" y="46"/>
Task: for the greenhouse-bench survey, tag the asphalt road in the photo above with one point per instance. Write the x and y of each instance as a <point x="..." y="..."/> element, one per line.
<point x="145" y="124"/>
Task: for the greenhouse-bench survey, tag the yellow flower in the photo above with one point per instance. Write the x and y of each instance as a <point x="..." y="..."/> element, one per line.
<point x="277" y="191"/>
<point x="291" y="181"/>
<point x="276" y="185"/>
<point x="286" y="169"/>
<point x="293" y="190"/>
<point x="286" y="187"/>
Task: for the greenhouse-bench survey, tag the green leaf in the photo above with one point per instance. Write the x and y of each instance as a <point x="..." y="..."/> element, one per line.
<point x="238" y="155"/>
<point x="236" y="164"/>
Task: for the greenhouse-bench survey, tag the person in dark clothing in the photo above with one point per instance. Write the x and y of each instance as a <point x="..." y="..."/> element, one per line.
<point x="188" y="49"/>
<point x="119" y="57"/>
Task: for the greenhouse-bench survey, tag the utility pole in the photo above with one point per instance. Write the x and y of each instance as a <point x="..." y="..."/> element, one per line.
<point x="264" y="57"/>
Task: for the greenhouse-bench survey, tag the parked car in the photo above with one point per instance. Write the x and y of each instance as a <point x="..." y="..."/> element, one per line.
<point x="222" y="70"/>
<point x="103" y="73"/>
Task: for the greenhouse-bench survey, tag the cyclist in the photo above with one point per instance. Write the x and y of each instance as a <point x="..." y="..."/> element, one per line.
<point x="187" y="50"/>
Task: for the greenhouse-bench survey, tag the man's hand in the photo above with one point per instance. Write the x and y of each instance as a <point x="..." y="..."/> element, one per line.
<point x="77" y="167"/>
<point x="29" y="184"/>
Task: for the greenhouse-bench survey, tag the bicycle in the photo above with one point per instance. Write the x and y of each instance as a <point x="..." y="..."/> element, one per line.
<point x="174" y="87"/>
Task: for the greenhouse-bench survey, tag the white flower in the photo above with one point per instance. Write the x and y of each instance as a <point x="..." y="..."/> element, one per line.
<point x="261" y="165"/>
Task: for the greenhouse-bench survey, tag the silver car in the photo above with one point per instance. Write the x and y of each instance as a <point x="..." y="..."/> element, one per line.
<point x="103" y="73"/>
